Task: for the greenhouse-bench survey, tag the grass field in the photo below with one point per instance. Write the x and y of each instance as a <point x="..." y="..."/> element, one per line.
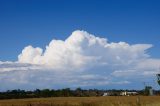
<point x="86" y="101"/>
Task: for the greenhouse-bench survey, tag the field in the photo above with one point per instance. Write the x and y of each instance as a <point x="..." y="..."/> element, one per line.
<point x="86" y="101"/>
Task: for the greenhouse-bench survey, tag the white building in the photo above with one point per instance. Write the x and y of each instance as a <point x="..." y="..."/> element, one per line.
<point x="106" y="94"/>
<point x="125" y="93"/>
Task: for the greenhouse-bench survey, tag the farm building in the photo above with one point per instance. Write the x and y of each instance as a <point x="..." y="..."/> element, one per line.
<point x="125" y="93"/>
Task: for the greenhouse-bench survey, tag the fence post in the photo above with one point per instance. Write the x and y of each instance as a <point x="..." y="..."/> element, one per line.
<point x="138" y="101"/>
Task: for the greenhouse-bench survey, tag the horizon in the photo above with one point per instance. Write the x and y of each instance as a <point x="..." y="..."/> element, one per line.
<point x="86" y="44"/>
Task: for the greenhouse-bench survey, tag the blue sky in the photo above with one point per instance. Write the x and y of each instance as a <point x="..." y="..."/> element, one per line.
<point x="37" y="22"/>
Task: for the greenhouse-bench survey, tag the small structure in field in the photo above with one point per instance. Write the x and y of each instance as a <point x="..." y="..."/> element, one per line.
<point x="151" y="92"/>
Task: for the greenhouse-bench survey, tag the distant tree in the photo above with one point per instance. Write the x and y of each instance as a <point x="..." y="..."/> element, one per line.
<point x="45" y="93"/>
<point x="147" y="90"/>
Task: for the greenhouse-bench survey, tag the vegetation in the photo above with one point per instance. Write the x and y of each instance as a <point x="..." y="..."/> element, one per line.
<point x="85" y="101"/>
<point x="147" y="90"/>
<point x="18" y="94"/>
<point x="77" y="97"/>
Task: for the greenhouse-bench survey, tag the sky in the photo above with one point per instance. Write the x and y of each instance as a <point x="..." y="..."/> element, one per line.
<point x="89" y="43"/>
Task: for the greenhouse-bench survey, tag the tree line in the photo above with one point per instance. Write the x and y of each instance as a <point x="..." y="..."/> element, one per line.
<point x="67" y="92"/>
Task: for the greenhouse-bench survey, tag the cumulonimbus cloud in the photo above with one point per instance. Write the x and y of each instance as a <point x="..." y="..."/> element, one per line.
<point x="83" y="49"/>
<point x="82" y="60"/>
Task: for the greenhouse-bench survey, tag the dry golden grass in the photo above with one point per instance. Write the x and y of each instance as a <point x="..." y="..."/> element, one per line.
<point x="86" y="101"/>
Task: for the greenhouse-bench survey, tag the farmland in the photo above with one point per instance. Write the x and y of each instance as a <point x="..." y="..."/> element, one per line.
<point x="85" y="101"/>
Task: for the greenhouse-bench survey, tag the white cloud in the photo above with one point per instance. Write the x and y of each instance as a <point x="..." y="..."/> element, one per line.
<point x="81" y="60"/>
<point x="82" y="49"/>
<point x="30" y="55"/>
